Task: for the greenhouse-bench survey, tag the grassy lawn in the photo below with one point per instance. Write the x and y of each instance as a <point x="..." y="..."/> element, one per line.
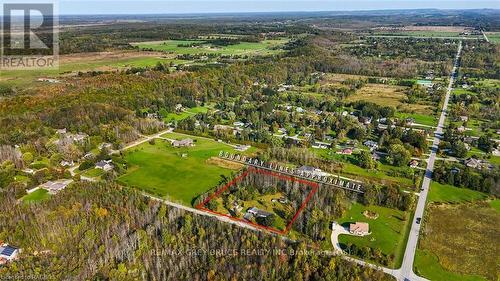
<point x="36" y="196"/>
<point x="424" y="119"/>
<point x="389" y="230"/>
<point x="427" y="264"/>
<point x="93" y="173"/>
<point x="161" y="169"/>
<point x="459" y="242"/>
<point x="265" y="47"/>
<point x="450" y="194"/>
<point x="350" y="169"/>
<point x="187" y="113"/>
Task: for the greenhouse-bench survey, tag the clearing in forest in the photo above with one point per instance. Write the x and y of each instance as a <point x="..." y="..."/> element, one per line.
<point x="262" y="198"/>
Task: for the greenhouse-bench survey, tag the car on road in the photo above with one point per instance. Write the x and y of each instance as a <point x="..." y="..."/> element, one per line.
<point x="418" y="220"/>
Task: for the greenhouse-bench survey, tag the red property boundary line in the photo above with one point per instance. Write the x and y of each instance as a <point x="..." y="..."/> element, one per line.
<point x="313" y="185"/>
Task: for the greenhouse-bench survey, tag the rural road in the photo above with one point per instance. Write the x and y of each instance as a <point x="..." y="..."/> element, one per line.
<point x="406" y="271"/>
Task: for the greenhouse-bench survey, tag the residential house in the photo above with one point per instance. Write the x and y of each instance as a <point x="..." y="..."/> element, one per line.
<point x="461" y="129"/>
<point x="178" y="107"/>
<point x="413" y="163"/>
<point x="464" y="118"/>
<point x="65" y="163"/>
<point x="371" y="145"/>
<point x="345" y="151"/>
<point x="54" y="187"/>
<point x="375" y="156"/>
<point x="472" y="163"/>
<point x="105" y="165"/>
<point x="183" y="143"/>
<point x="105" y="145"/>
<point x="7" y="253"/>
<point x="258" y="213"/>
<point x="359" y="228"/>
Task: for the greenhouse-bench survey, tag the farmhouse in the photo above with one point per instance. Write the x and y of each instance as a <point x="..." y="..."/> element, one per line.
<point x="7" y="253"/>
<point x="105" y="165"/>
<point x="53" y="187"/>
<point x="183" y="143"/>
<point x="359" y="228"/>
<point x="256" y="213"/>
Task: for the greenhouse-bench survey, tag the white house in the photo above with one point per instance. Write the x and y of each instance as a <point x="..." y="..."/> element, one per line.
<point x="105" y="165"/>
<point x="54" y="187"/>
<point x="7" y="253"/>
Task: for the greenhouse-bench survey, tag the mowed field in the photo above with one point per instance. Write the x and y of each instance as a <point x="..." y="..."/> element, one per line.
<point x="162" y="170"/>
<point x="265" y="47"/>
<point x="389" y="230"/>
<point x="460" y="242"/>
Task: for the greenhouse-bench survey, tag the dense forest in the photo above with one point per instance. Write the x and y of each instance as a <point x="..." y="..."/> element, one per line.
<point x="103" y="231"/>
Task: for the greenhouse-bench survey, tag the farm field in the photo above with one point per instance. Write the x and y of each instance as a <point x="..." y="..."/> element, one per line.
<point x="494" y="37"/>
<point x="71" y="64"/>
<point x="388" y="232"/>
<point x="442" y="193"/>
<point x="36" y="196"/>
<point x="187" y="113"/>
<point x="472" y="255"/>
<point x="162" y="170"/>
<point x="388" y="95"/>
<point x="266" y="47"/>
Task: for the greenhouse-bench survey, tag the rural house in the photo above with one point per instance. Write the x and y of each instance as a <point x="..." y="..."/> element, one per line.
<point x="359" y="228"/>
<point x="183" y="143"/>
<point x="105" y="165"/>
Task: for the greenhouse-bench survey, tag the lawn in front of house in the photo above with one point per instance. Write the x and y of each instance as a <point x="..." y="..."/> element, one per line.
<point x="388" y="232"/>
<point x="36" y="196"/>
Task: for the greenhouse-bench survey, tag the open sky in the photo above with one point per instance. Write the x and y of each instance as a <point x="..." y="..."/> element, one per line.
<point x="234" y="6"/>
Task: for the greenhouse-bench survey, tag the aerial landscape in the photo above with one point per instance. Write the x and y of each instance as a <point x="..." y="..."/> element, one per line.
<point x="247" y="140"/>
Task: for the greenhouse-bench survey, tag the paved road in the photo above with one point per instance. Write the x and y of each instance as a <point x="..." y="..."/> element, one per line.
<point x="406" y="271"/>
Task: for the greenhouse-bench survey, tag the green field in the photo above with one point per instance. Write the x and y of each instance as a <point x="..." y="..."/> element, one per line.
<point x="36" y="196"/>
<point x="450" y="194"/>
<point x="187" y="113"/>
<point x="93" y="173"/>
<point x="161" y="169"/>
<point x="494" y="37"/>
<point x="265" y="47"/>
<point x="424" y="119"/>
<point x="351" y="169"/>
<point x="427" y="265"/>
<point x="389" y="230"/>
<point x="28" y="77"/>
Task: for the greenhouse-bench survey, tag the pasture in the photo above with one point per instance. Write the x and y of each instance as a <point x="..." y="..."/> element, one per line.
<point x="180" y="174"/>
<point x="181" y="47"/>
<point x="389" y="95"/>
